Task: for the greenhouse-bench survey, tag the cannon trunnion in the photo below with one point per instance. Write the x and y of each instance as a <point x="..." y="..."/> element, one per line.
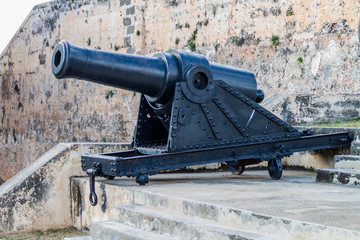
<point x="191" y="112"/>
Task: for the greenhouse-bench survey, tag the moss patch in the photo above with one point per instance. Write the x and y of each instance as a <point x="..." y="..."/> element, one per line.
<point x="352" y="123"/>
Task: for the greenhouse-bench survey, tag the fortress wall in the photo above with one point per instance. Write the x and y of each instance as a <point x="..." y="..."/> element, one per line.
<point x="37" y="111"/>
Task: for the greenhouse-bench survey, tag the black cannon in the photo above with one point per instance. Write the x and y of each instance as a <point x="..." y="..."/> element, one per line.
<point x="191" y="112"/>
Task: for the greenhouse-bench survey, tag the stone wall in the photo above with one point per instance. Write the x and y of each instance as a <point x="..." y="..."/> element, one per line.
<point x="293" y="47"/>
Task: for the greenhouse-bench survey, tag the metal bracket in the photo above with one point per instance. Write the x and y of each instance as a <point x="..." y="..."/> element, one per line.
<point x="93" y="172"/>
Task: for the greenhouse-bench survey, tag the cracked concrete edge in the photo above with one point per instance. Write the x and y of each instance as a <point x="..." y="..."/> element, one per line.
<point x="38" y="197"/>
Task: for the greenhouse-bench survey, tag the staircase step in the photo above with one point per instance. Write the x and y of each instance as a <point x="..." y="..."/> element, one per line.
<point x="115" y="230"/>
<point x="349" y="177"/>
<point x="347" y="162"/>
<point x="181" y="226"/>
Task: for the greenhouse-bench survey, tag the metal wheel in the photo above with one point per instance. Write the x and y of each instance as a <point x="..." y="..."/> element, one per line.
<point x="235" y="168"/>
<point x="275" y="168"/>
<point x="142" y="179"/>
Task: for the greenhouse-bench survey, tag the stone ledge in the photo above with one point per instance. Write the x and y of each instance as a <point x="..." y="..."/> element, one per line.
<point x="38" y="197"/>
<point x="347" y="162"/>
<point x="339" y="176"/>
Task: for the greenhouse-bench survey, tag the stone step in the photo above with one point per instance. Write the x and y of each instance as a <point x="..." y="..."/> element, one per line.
<point x="347" y="162"/>
<point x="159" y="197"/>
<point x="183" y="227"/>
<point x="349" y="177"/>
<point x="114" y="230"/>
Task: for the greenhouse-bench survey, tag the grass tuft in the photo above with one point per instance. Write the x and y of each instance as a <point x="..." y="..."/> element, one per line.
<point x="275" y="40"/>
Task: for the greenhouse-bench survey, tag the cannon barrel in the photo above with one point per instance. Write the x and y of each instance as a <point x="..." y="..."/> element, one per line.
<point x="153" y="76"/>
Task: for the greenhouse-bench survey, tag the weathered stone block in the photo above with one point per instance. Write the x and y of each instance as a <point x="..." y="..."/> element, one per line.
<point x="130" y="11"/>
<point x="125" y="2"/>
<point x="127" y="21"/>
<point x="130" y="30"/>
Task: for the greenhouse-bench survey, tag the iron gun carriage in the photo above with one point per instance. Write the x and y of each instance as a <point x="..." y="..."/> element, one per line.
<point x="191" y="112"/>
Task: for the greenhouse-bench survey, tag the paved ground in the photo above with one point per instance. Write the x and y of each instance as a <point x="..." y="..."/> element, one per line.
<point x="296" y="195"/>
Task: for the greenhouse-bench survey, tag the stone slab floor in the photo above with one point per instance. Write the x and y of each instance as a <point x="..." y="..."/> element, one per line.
<point x="296" y="195"/>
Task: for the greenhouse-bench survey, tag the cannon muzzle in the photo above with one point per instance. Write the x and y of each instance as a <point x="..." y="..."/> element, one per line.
<point x="153" y="76"/>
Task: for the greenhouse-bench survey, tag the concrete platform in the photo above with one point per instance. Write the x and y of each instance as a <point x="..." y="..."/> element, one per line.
<point x="295" y="205"/>
<point x="296" y="195"/>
